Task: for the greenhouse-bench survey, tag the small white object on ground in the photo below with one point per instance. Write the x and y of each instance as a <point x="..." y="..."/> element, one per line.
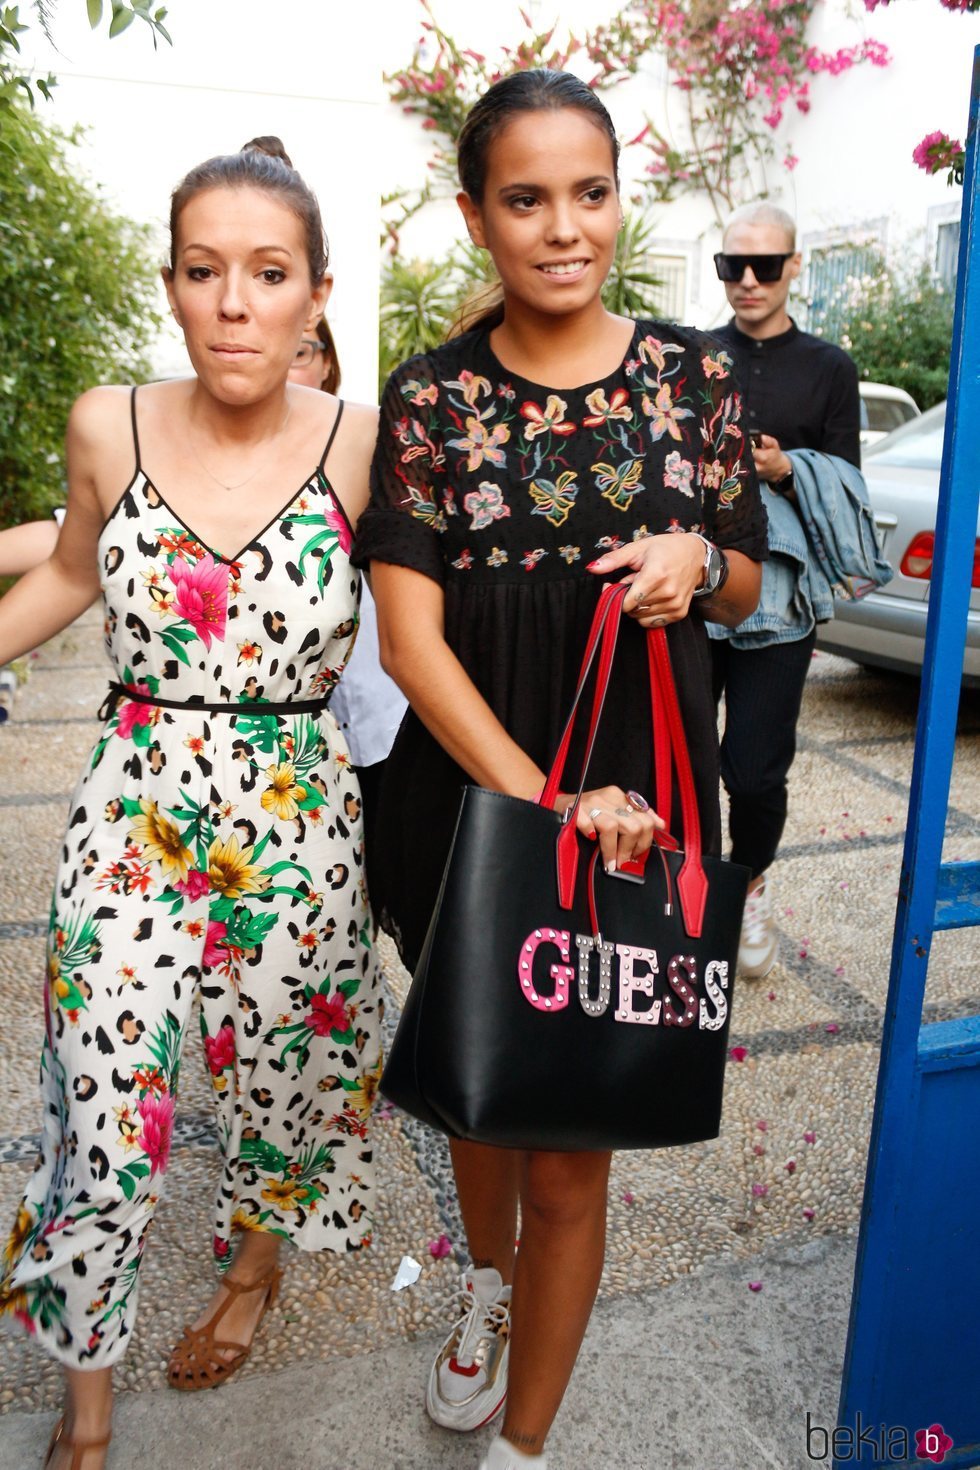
<point x="407" y="1274"/>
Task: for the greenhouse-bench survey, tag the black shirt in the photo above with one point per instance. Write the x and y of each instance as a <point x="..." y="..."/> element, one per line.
<point x="798" y="388"/>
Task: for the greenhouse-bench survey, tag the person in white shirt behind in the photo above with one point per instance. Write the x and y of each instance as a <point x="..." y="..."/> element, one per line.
<point x="367" y="705"/>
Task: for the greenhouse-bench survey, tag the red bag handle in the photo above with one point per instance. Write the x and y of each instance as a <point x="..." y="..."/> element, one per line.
<point x="670" y="750"/>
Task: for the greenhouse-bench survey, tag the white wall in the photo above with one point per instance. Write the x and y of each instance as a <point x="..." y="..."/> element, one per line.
<point x="310" y="70"/>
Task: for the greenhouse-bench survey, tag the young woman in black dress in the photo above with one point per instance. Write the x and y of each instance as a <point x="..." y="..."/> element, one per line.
<point x="550" y="447"/>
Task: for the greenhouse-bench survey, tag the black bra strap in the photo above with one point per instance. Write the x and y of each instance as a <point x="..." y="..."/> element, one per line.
<point x="136" y="437"/>
<point x="333" y="432"/>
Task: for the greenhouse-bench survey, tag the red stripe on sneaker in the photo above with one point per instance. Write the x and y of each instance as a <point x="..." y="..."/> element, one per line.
<point x="494" y="1412"/>
<point x="456" y="1367"/>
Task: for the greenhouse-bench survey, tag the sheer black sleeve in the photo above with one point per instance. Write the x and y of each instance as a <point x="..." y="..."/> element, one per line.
<point x="405" y="517"/>
<point x="734" y="515"/>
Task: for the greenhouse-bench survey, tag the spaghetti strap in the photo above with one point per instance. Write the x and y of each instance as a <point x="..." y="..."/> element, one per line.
<point x="136" y="437"/>
<point x="333" y="433"/>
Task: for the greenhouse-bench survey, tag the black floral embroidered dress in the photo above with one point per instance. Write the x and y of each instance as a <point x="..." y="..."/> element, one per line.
<point x="503" y="491"/>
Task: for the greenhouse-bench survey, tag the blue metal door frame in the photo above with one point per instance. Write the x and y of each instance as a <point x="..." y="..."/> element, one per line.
<point x="913" y="1347"/>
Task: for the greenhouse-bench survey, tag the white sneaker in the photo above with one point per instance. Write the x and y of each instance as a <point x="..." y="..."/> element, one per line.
<point x="503" y="1456"/>
<point x="759" y="945"/>
<point x="468" y="1383"/>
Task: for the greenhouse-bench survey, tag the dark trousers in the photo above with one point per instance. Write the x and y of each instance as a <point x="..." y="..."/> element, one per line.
<point x="763" y="689"/>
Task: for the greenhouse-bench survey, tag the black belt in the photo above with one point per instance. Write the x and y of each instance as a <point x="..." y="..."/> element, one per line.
<point x="119" y="692"/>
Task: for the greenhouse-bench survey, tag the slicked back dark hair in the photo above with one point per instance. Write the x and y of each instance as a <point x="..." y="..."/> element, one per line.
<point x="264" y="164"/>
<point x="523" y="91"/>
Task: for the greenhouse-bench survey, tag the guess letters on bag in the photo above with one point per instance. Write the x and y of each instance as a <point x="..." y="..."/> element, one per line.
<point x="667" y="997"/>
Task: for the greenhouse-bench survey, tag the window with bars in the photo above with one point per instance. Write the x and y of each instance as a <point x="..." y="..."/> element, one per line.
<point x="670" y="293"/>
<point x="947" y="251"/>
<point x="831" y="270"/>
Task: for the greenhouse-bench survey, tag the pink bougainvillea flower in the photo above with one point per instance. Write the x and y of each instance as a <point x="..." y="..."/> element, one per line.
<point x="195" y="885"/>
<point x="755" y="1286"/>
<point x="738" y="1053"/>
<point x="760" y="1190"/>
<point x="771" y="995"/>
<point x="762" y="1125"/>
<point x="936" y="152"/>
<point x="440" y="1247"/>
<point x="132" y="713"/>
<point x="809" y="1137"/>
<point x="158" y="1128"/>
<point x="790" y="1166"/>
<point x="758" y="1150"/>
<point x="220" y="1050"/>
<point x="329" y="1013"/>
<point x="202" y="596"/>
<point x="831" y="1028"/>
<point x="808" y="1213"/>
<point x="214" y="951"/>
<point x="628" y="1198"/>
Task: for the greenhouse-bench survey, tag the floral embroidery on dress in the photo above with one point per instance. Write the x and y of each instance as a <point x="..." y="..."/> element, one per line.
<point x="666" y="424"/>
<point x="485" y="505"/>
<point x="551" y="418"/>
<point x="554" y="500"/>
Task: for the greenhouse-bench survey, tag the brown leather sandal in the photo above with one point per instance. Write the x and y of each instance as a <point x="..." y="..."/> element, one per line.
<point x="79" y="1447"/>
<point x="197" y="1360"/>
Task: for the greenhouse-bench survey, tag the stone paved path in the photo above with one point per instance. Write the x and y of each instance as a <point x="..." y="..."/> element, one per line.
<point x="809" y="1035"/>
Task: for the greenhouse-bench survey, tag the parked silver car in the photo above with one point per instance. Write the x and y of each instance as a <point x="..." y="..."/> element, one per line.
<point x="887" y="628"/>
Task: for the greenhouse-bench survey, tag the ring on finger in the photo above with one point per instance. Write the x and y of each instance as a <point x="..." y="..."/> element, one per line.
<point x="637" y="802"/>
<point x="595" y="812"/>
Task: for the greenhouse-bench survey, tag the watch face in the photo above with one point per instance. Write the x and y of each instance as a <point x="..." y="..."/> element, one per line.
<point x="715" y="567"/>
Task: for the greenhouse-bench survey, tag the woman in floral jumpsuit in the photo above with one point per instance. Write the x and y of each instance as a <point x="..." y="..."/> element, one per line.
<point x="213" y="847"/>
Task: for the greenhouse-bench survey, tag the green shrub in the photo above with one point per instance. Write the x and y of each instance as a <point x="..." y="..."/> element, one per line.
<point x="78" y="297"/>
<point x="898" y="327"/>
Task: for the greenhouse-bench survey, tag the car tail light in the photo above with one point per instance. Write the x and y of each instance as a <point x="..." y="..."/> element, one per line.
<point x="917" y="561"/>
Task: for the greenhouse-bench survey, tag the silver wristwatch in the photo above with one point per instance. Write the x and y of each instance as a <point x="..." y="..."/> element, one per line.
<point x="715" y="568"/>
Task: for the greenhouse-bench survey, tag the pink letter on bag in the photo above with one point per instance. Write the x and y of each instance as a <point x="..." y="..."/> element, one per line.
<point x="630" y="983"/>
<point x="563" y="975"/>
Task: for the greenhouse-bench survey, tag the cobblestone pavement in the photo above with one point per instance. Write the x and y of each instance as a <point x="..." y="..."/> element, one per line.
<point x="787" y="1168"/>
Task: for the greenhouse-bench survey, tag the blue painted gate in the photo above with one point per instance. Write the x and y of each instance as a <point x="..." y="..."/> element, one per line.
<point x="913" y="1348"/>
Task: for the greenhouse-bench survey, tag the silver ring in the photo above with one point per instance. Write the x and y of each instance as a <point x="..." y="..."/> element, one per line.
<point x="595" y="812"/>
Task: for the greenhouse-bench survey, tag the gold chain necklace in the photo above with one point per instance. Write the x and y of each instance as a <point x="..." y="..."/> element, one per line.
<point x="239" y="483"/>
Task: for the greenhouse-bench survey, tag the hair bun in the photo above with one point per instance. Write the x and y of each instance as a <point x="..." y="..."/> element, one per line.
<point x="270" y="145"/>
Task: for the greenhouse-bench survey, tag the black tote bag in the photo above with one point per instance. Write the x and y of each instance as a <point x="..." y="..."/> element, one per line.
<point x="556" y="1006"/>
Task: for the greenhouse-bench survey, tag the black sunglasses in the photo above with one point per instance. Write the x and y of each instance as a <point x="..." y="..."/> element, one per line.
<point x="765" y="268"/>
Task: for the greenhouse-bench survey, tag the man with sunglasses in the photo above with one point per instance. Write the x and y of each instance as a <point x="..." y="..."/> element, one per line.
<point x="799" y="393"/>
